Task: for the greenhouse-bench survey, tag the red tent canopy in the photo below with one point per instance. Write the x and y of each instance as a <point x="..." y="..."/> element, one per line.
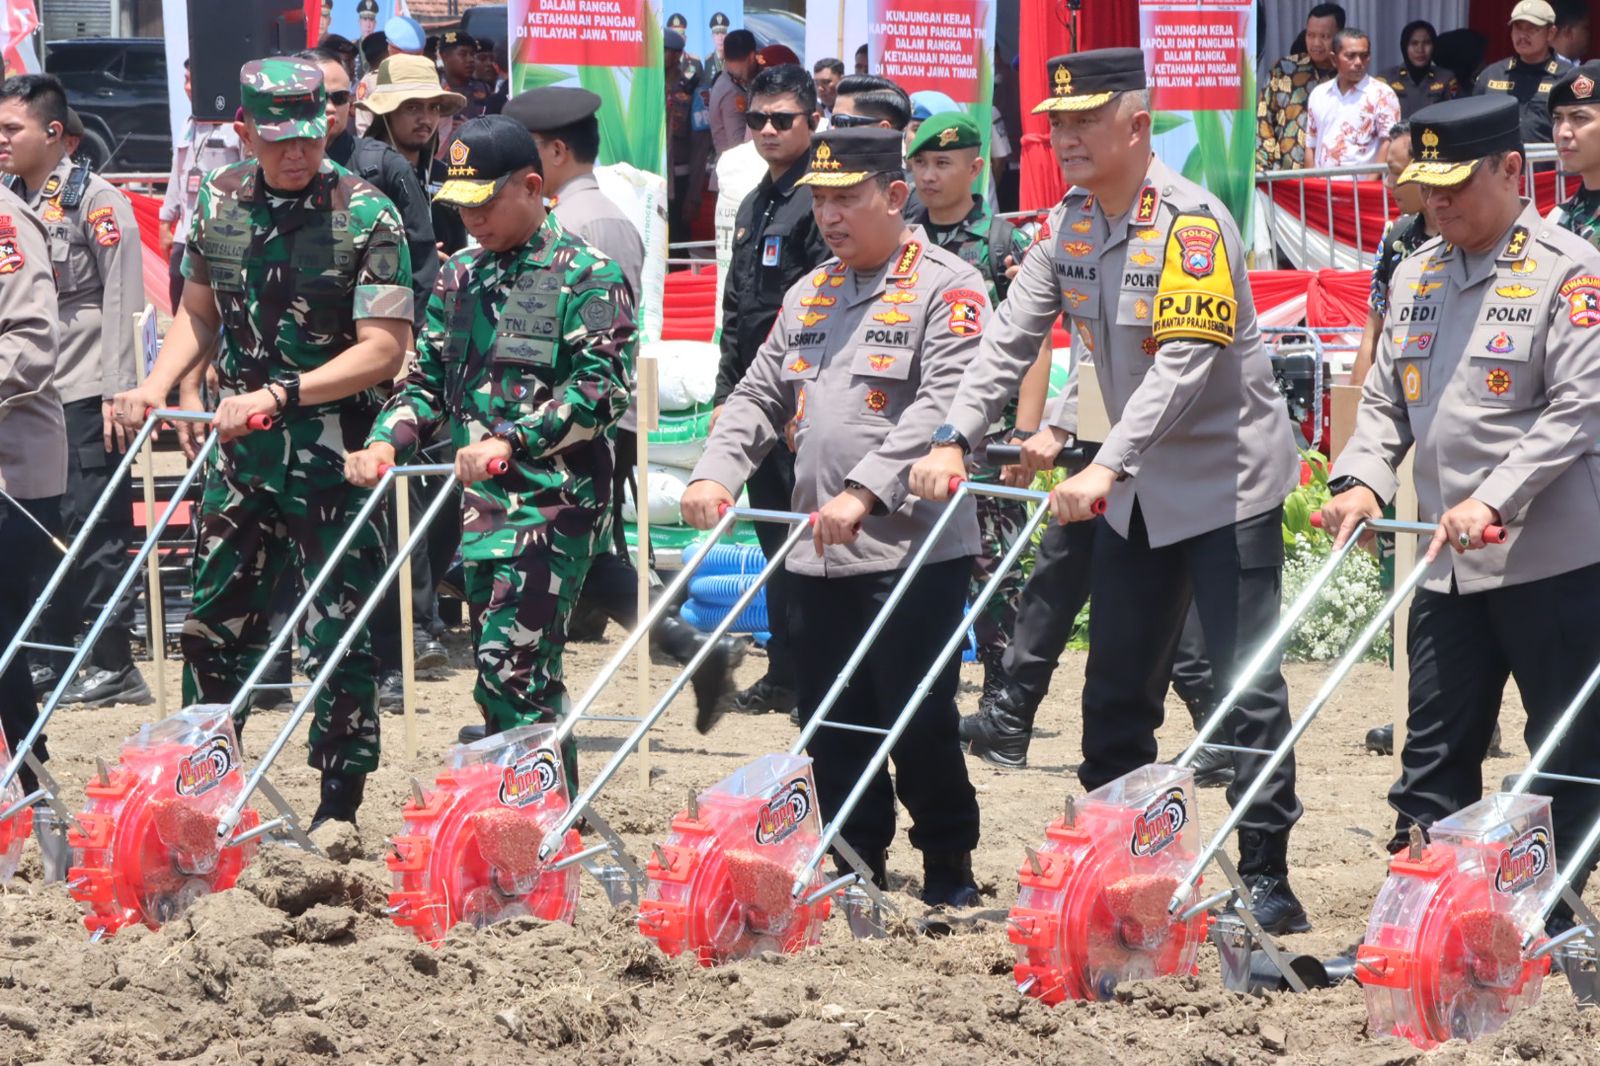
<point x="1042" y="33"/>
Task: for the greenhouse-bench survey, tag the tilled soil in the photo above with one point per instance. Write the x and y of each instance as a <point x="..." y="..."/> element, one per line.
<point x="299" y="964"/>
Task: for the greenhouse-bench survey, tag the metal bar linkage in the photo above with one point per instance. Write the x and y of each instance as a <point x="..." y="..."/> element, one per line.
<point x="584" y="800"/>
<point x="130" y="574"/>
<point x="1330" y="685"/>
<point x="891" y="736"/>
<point x="230" y="815"/>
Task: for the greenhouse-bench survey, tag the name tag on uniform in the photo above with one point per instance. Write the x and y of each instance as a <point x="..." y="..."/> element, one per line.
<point x="770" y="246"/>
<point x="194" y="182"/>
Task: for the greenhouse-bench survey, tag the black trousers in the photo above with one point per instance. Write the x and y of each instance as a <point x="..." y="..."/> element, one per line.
<point x="1141" y="596"/>
<point x="1463" y="648"/>
<point x="830" y="616"/>
<point x="1048" y="607"/>
<point x="771" y="488"/>
<point x="429" y="559"/>
<point x="26" y="552"/>
<point x="105" y="556"/>
<point x="612" y="583"/>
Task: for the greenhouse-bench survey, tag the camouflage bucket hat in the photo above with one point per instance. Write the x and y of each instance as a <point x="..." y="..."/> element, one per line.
<point x="285" y="98"/>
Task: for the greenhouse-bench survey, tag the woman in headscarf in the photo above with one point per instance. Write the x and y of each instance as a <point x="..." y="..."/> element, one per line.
<point x="1416" y="81"/>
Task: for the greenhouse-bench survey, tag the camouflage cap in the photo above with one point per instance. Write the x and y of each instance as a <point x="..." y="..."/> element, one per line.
<point x="284" y="98"/>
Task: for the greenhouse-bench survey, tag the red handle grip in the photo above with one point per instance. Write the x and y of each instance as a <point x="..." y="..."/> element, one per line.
<point x="722" y="508"/>
<point x="1098" y="506"/>
<point x="384" y="468"/>
<point x="1491" y="534"/>
<point x="496" y="467"/>
<point x="955" y="483"/>
<point x="259" y="422"/>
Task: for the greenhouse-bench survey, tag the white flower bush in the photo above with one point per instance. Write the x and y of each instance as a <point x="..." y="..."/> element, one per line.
<point x="1348" y="602"/>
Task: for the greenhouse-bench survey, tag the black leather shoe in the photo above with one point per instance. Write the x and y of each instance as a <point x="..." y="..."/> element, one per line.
<point x="1213" y="768"/>
<point x="341" y="798"/>
<point x="1380" y="740"/>
<point x="1264" y="866"/>
<point x="1000" y="733"/>
<point x="105" y="688"/>
<point x="391" y="690"/>
<point x="431" y="654"/>
<point x="763" y="697"/>
<point x="471" y="734"/>
<point x="44" y="680"/>
<point x="947" y="879"/>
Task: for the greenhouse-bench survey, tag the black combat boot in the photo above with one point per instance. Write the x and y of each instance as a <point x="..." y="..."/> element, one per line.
<point x="341" y="798"/>
<point x="999" y="734"/>
<point x="1380" y="740"/>
<point x="1264" y="866"/>
<point x="947" y="879"/>
<point x="1213" y="768"/>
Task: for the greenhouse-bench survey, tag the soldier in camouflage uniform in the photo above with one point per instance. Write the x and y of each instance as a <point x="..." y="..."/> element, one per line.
<point x="945" y="157"/>
<point x="527" y="357"/>
<point x="303" y="269"/>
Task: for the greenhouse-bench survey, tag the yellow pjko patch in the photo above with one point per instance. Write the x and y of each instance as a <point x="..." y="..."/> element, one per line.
<point x="1195" y="299"/>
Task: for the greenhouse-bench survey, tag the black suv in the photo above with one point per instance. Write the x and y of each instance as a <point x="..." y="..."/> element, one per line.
<point x="118" y="85"/>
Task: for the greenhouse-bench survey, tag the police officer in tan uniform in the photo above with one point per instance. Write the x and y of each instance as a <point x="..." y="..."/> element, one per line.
<point x="1150" y="269"/>
<point x="1489" y="364"/>
<point x="95" y="251"/>
<point x="862" y="363"/>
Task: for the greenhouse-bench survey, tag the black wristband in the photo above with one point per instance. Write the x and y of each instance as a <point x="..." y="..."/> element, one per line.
<point x="291" y="391"/>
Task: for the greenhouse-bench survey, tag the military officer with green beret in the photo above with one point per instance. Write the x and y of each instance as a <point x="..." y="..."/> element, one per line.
<point x="527" y="357"/>
<point x="304" y="272"/>
<point x="946" y="159"/>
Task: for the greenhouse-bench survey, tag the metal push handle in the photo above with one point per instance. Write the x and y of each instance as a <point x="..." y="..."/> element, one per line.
<point x="229" y="817"/>
<point x="1492" y="534"/>
<point x="135" y="568"/>
<point x="728" y="515"/>
<point x="1329" y="686"/>
<point x="890" y="737"/>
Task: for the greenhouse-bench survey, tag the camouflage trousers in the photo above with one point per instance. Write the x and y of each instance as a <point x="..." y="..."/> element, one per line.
<point x="1000" y="522"/>
<point x="276" y="518"/>
<point x="520" y="606"/>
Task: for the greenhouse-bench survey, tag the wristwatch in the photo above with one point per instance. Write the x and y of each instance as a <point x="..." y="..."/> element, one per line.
<point x="948" y="434"/>
<point x="507" y="431"/>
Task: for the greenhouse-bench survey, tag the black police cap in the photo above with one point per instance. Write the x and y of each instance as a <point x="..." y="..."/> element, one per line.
<point x="844" y="157"/>
<point x="551" y="107"/>
<point x="483" y="155"/>
<point x="1450" y="139"/>
<point x="1086" y="80"/>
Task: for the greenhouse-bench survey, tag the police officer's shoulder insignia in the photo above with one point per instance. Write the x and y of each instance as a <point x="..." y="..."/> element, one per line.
<point x="383" y="259"/>
<point x="104" y="223"/>
<point x="1516" y="244"/>
<point x="1083" y="225"/>
<point x="906" y="265"/>
<point x="1195" y="297"/>
<point x="966" y="311"/>
<point x="1551" y="67"/>
<point x="1148" y="200"/>
<point x="1582" y="294"/>
<point x="11" y="257"/>
<point x="52" y="185"/>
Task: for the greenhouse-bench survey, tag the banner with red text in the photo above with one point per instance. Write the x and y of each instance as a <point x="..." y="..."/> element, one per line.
<point x="1200" y="66"/>
<point x="610" y="47"/>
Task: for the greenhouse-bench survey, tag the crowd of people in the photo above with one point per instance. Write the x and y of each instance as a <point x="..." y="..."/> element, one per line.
<point x="882" y="329"/>
<point x="1325" y="105"/>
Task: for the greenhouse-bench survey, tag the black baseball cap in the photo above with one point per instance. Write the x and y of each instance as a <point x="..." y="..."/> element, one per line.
<point x="1083" y="81"/>
<point x="845" y="157"/>
<point x="1450" y="139"/>
<point x="483" y="155"/>
<point x="456" y="39"/>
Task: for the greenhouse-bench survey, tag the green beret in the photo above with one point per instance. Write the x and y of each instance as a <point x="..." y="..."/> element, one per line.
<point x="946" y="132"/>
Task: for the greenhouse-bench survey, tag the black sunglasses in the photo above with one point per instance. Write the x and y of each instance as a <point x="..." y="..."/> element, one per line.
<point x="844" y="122"/>
<point x="782" y="121"/>
<point x="339" y="97"/>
